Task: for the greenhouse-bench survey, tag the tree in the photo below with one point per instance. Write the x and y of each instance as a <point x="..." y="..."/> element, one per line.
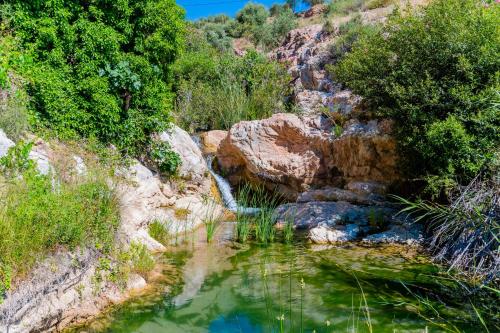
<point x="100" y="68"/>
<point x="437" y="74"/>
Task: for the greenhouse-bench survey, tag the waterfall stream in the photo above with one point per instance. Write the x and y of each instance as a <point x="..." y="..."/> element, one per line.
<point x="225" y="188"/>
<point x="225" y="191"/>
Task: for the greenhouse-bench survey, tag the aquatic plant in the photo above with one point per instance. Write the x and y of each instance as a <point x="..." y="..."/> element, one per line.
<point x="262" y="223"/>
<point x="159" y="232"/>
<point x="212" y="221"/>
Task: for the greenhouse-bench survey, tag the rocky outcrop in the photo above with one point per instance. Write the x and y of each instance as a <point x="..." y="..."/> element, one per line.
<point x="294" y="154"/>
<point x="63" y="288"/>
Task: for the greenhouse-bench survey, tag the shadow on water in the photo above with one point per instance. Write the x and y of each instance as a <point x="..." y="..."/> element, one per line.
<point x="225" y="287"/>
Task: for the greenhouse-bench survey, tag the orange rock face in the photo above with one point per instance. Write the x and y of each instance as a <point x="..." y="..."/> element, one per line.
<point x="291" y="154"/>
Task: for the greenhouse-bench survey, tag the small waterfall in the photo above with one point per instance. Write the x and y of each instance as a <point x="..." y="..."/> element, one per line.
<point x="225" y="188"/>
<point x="227" y="195"/>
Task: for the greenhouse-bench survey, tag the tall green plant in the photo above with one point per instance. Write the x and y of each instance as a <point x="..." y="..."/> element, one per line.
<point x="435" y="72"/>
<point x="100" y="70"/>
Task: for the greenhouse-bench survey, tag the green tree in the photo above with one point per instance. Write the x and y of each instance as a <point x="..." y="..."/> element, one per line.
<point x="436" y="73"/>
<point x="101" y="69"/>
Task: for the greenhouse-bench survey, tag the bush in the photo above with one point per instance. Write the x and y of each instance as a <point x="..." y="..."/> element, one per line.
<point x="165" y="159"/>
<point x="100" y="70"/>
<point x="270" y="35"/>
<point x="349" y="33"/>
<point x="373" y="4"/>
<point x="344" y="7"/>
<point x="35" y="219"/>
<point x="214" y="91"/>
<point x="436" y="73"/>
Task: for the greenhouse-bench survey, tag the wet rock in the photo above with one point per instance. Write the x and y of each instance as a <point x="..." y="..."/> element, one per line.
<point x="366" y="188"/>
<point x="337" y="194"/>
<point x="312" y="214"/>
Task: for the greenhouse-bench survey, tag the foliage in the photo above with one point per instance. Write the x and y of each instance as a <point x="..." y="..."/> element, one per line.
<point x="249" y="17"/>
<point x="159" y="232"/>
<point x="35" y="218"/>
<point x="348" y="33"/>
<point x="100" y="70"/>
<point x="141" y="260"/>
<point x="344" y="7"/>
<point x="216" y="90"/>
<point x="313" y="2"/>
<point x="17" y="159"/>
<point x="165" y="159"/>
<point x="436" y="73"/>
<point x="269" y="35"/>
<point x="465" y="234"/>
<point x="373" y="4"/>
<point x="277" y="9"/>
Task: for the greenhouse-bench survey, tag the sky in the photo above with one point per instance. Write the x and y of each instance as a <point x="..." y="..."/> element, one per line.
<point x="200" y="8"/>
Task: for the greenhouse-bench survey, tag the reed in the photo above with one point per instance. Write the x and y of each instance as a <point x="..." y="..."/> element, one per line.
<point x="212" y="220"/>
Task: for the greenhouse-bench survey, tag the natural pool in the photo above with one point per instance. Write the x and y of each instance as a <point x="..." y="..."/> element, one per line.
<point x="226" y="287"/>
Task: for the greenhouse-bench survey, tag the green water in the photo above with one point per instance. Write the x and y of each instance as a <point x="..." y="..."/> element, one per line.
<point x="222" y="287"/>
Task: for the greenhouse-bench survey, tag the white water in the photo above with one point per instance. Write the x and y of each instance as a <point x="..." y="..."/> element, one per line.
<point x="227" y="195"/>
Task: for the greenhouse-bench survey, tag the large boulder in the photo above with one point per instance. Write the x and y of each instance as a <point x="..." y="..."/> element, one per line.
<point x="5" y="143"/>
<point x="294" y="154"/>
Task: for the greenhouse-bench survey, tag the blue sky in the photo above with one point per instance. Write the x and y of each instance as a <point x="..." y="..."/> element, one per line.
<point x="200" y="8"/>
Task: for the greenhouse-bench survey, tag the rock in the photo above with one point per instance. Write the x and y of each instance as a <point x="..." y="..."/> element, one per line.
<point x="293" y="154"/>
<point x="5" y="143"/>
<point x="311" y="214"/>
<point x="193" y="165"/>
<point x="210" y="141"/>
<point x="366" y="188"/>
<point x="409" y="234"/>
<point x="328" y="235"/>
<point x="336" y="194"/>
<point x="80" y="167"/>
<point x="314" y="11"/>
<point x="144" y="198"/>
<point x="300" y="42"/>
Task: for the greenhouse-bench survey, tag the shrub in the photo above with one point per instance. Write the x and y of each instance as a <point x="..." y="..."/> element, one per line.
<point x="217" y="90"/>
<point x="100" y="70"/>
<point x="277" y="9"/>
<point x="35" y="219"/>
<point x="349" y="32"/>
<point x="373" y="4"/>
<point x="344" y="7"/>
<point x="250" y="17"/>
<point x="436" y="73"/>
<point x="165" y="159"/>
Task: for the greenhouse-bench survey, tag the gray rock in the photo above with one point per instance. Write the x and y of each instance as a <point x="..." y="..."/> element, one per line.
<point x="329" y="235"/>
<point x="337" y="194"/>
<point x="5" y="143"/>
<point x="311" y="214"/>
<point x="193" y="165"/>
<point x="410" y="234"/>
